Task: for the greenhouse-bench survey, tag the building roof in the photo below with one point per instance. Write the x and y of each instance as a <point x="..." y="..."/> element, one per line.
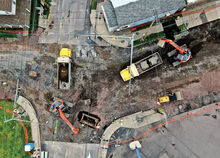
<point x="119" y="3"/>
<point x="20" y="18"/>
<point x="123" y="12"/>
<point x="99" y="1"/>
<point x="5" y="5"/>
<point x="110" y="14"/>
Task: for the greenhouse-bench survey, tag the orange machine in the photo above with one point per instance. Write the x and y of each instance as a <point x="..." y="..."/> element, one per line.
<point x="184" y="53"/>
<point x="57" y="108"/>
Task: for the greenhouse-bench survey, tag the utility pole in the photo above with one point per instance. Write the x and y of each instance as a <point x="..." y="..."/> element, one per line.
<point x="17" y="118"/>
<point x="156" y="16"/>
<point x="97" y="35"/>
<point x="131" y="57"/>
<point x="16" y="96"/>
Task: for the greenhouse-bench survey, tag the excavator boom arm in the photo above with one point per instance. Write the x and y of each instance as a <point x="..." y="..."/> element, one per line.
<point x="62" y="115"/>
<point x="181" y="50"/>
<point x="185" y="54"/>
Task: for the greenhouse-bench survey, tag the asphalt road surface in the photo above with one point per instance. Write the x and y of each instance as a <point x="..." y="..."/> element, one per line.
<point x="194" y="137"/>
<point x="70" y="17"/>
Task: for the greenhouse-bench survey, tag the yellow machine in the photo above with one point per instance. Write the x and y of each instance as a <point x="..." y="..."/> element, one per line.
<point x="125" y="73"/>
<point x="141" y="66"/>
<point x="64" y="69"/>
<point x="65" y="52"/>
<point x="178" y="95"/>
<point x="164" y="99"/>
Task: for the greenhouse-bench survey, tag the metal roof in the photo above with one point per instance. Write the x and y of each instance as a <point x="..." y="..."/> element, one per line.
<point x="138" y="10"/>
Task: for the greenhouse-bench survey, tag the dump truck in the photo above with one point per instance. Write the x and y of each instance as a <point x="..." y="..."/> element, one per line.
<point x="64" y="69"/>
<point x="176" y="96"/>
<point x="141" y="66"/>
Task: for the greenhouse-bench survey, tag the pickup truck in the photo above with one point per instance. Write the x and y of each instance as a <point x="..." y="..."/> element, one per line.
<point x="141" y="66"/>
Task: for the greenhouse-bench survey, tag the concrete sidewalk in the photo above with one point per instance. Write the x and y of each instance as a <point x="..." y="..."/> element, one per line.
<point x="193" y="20"/>
<point x="35" y="130"/>
<point x="135" y="121"/>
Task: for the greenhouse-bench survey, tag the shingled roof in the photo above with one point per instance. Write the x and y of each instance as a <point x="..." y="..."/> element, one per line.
<point x="134" y="11"/>
<point x="20" y="19"/>
<point x="5" y="5"/>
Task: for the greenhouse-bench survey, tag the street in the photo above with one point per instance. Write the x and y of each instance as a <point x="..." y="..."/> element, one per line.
<point x="69" y="17"/>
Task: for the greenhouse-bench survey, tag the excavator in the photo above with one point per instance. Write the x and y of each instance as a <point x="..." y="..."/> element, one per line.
<point x="57" y="108"/>
<point x="183" y="55"/>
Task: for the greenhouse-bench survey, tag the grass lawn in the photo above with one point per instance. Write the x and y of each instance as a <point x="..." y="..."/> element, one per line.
<point x="150" y="38"/>
<point x="34" y="18"/>
<point x="7" y="35"/>
<point x="93" y="4"/>
<point x="12" y="138"/>
<point x="47" y="11"/>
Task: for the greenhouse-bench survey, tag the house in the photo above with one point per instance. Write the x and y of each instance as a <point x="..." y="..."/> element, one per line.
<point x="124" y="14"/>
<point x="15" y="14"/>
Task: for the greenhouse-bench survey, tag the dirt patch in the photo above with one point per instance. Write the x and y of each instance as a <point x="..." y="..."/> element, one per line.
<point x="210" y="81"/>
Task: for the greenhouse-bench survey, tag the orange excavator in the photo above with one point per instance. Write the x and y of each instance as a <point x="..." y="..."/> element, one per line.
<point x="183" y="53"/>
<point x="57" y="108"/>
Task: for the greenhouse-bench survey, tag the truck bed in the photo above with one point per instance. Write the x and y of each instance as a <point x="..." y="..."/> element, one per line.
<point x="148" y="63"/>
<point x="64" y="75"/>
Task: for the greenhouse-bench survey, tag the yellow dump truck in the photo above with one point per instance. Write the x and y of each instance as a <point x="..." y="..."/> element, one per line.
<point x="141" y="66"/>
<point x="64" y="69"/>
<point x="176" y="96"/>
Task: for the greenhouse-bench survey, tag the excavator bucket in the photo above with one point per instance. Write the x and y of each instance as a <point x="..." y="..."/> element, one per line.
<point x="161" y="43"/>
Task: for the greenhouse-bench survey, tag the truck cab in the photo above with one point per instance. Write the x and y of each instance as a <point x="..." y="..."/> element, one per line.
<point x="126" y="75"/>
<point x="176" y="96"/>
